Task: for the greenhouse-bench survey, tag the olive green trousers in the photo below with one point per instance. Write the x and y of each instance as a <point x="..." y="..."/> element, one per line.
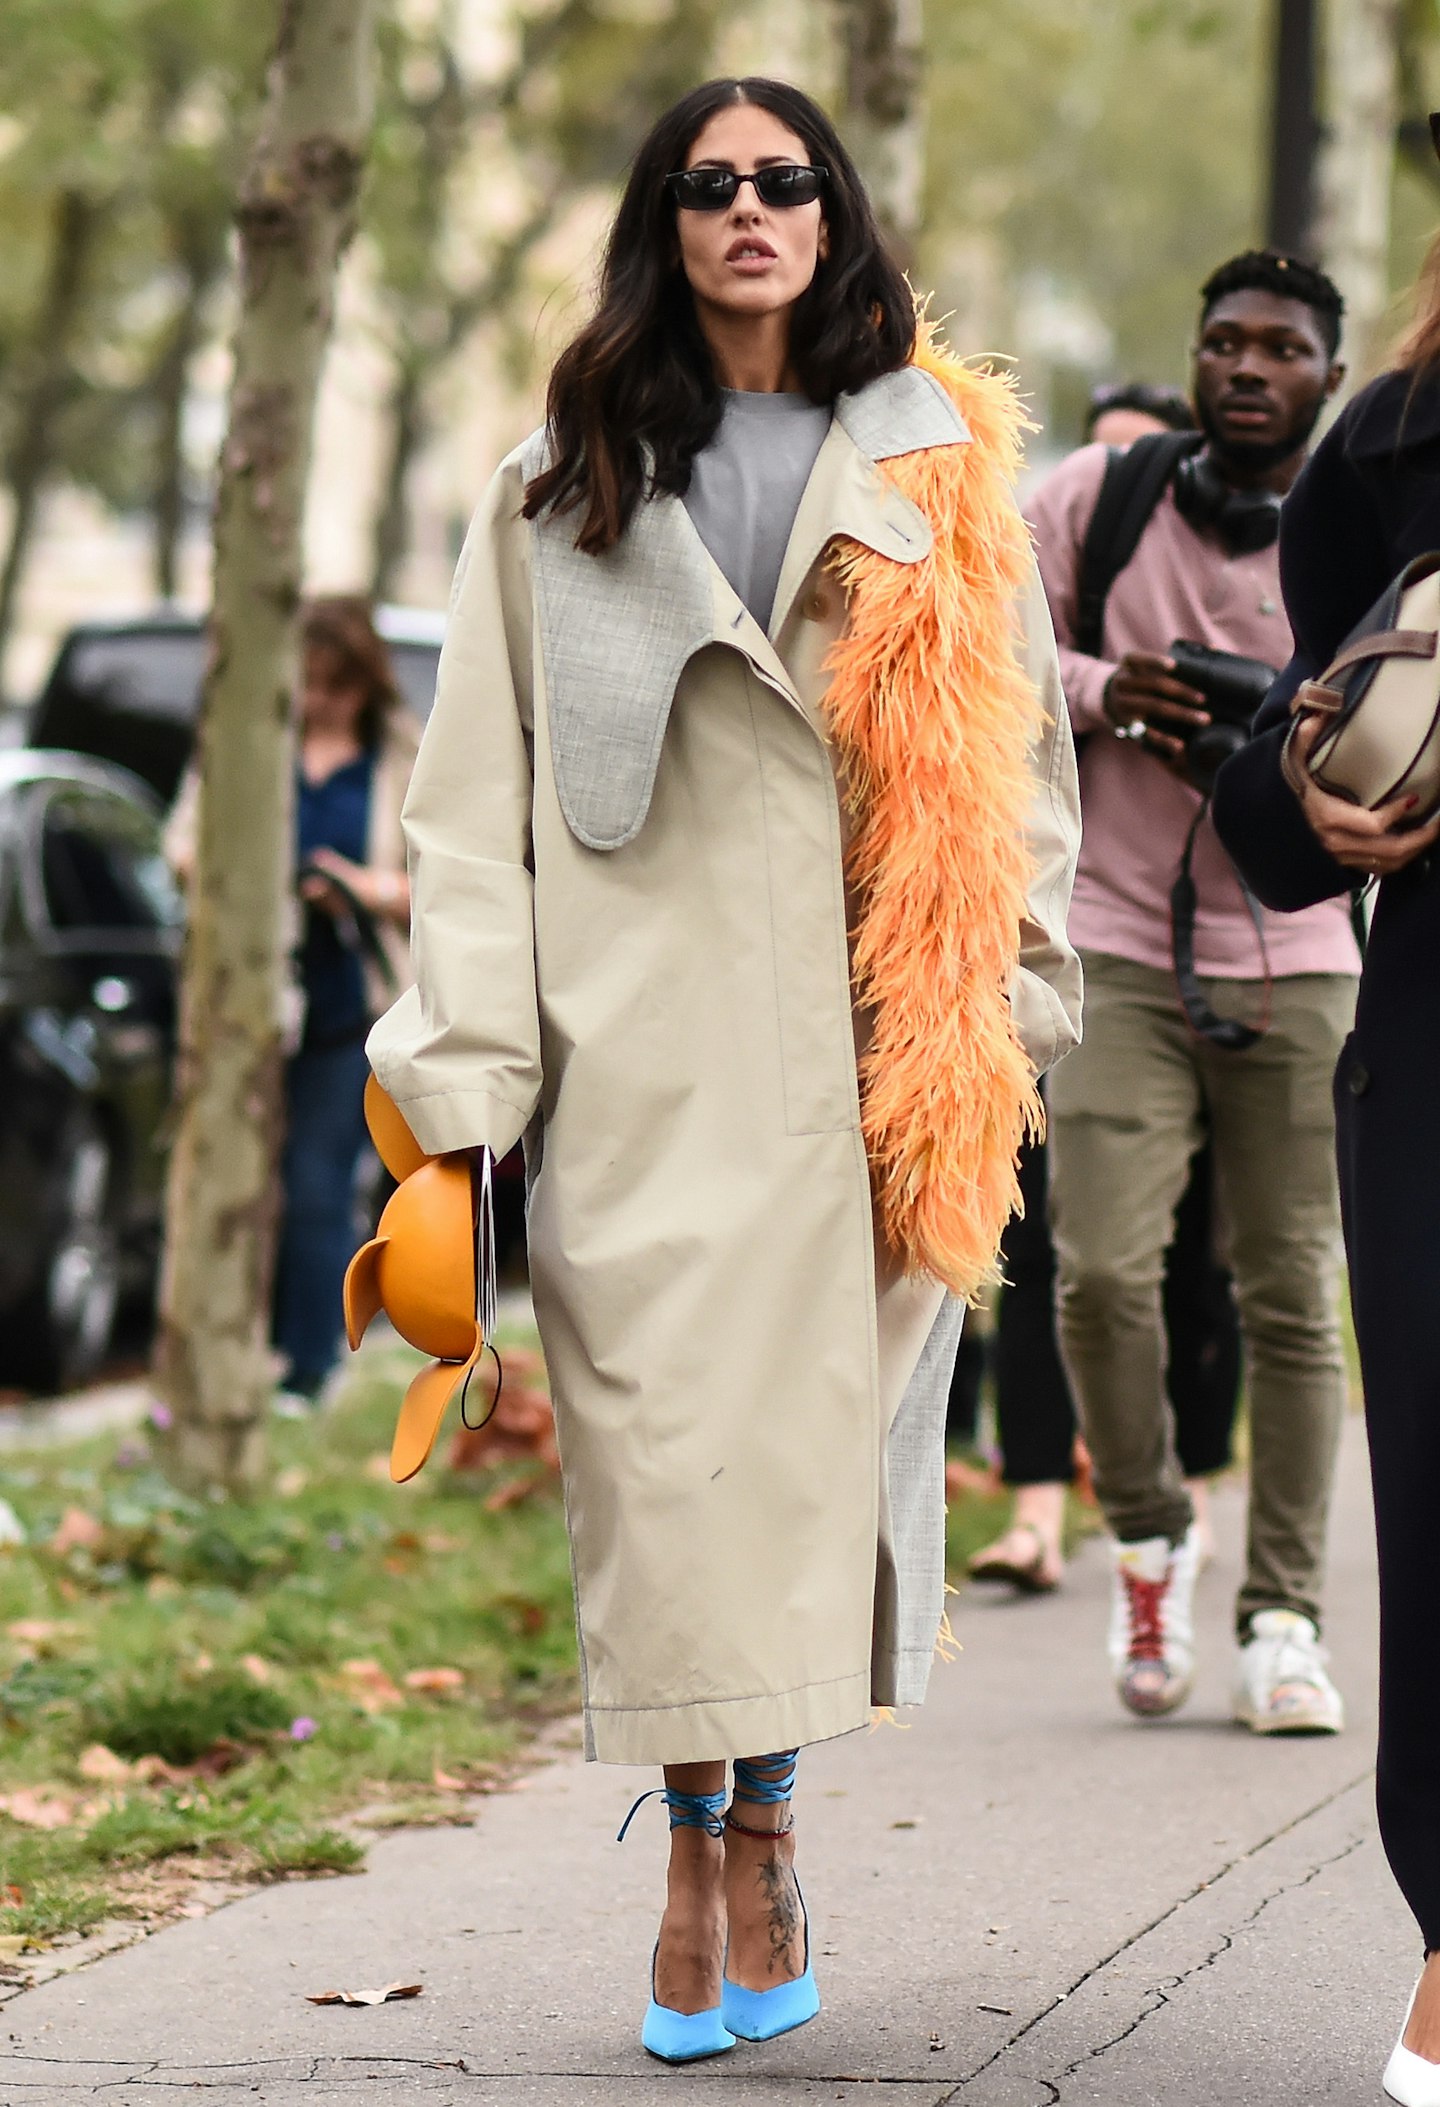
<point x="1126" y="1115"/>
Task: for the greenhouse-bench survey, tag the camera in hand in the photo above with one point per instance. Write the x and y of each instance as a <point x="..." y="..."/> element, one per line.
<point x="1234" y="688"/>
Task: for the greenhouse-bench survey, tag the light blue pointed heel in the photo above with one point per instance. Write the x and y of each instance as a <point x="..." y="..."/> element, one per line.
<point x="683" y="2037"/>
<point x="759" y="2015"/>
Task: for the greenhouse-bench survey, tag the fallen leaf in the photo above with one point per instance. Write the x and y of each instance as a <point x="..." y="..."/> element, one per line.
<point x="220" y="1757"/>
<point x="35" y="1808"/>
<point x="530" y="1617"/>
<point x="512" y="1494"/>
<point x="36" y="1631"/>
<point x="78" y="1531"/>
<point x="435" y="1679"/>
<point x="369" y="1685"/>
<point x="257" y="1668"/>
<point x="154" y="1770"/>
<point x="385" y="1996"/>
<point x="437" y="1540"/>
<point x="12" y="1897"/>
<point x="102" y="1766"/>
<point x="405" y="1540"/>
<point x="13" y="1942"/>
<point x="292" y="1482"/>
<point x="446" y="1781"/>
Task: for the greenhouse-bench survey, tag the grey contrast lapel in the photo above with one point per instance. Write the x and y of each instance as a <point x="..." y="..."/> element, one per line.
<point x="618" y="630"/>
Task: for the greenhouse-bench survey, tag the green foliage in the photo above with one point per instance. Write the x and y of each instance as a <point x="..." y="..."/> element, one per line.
<point x="1106" y="152"/>
<point x="157" y="1713"/>
<point x="273" y="1637"/>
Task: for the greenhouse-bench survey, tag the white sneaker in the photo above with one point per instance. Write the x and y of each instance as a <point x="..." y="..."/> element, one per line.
<point x="1282" y="1686"/>
<point x="1152" y="1632"/>
<point x="1412" y="2080"/>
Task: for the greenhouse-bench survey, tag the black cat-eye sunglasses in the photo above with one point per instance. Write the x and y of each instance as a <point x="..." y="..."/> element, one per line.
<point x="716" y="189"/>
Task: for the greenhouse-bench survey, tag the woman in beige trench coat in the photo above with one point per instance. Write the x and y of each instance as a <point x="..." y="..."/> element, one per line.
<point x="741" y="842"/>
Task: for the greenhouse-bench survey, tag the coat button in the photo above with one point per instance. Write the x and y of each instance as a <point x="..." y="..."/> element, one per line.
<point x="1358" y="1080"/>
<point x="817" y="606"/>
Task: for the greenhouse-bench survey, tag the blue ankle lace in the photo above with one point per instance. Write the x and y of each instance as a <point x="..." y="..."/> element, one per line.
<point x="766" y="1780"/>
<point x="688" y="1810"/>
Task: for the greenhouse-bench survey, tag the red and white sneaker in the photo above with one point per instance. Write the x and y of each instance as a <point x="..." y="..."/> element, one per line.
<point x="1152" y="1631"/>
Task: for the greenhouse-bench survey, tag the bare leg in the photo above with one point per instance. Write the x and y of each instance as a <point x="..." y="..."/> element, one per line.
<point x="690" y="1954"/>
<point x="1199" y="1490"/>
<point x="1032" y="1543"/>
<point x="1422" y="2035"/>
<point x="766" y="1921"/>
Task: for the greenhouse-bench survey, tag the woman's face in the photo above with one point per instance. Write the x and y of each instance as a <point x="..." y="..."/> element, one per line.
<point x="331" y="699"/>
<point x="750" y="259"/>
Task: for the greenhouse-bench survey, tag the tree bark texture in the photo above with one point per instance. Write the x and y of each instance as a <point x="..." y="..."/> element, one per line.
<point x="295" y="214"/>
<point x="884" y="113"/>
<point x="1358" y="166"/>
<point x="1290" y="221"/>
<point x="45" y="385"/>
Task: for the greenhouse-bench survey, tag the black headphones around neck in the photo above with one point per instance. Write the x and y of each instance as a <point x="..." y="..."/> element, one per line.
<point x="1245" y="520"/>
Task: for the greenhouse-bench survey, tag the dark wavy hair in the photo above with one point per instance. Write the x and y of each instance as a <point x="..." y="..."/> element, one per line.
<point x="341" y="625"/>
<point x="634" y="398"/>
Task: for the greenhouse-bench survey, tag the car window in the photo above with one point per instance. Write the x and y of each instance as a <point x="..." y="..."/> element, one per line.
<point x="149" y="674"/>
<point x="102" y="871"/>
<point x="415" y="665"/>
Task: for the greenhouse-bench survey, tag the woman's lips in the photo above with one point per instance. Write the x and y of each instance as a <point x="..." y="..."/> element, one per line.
<point x="750" y="257"/>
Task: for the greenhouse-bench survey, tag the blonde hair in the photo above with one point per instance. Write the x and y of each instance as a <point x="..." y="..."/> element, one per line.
<point x="1418" y="348"/>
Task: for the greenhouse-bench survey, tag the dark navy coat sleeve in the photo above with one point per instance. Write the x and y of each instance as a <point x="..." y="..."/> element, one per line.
<point x="1335" y="561"/>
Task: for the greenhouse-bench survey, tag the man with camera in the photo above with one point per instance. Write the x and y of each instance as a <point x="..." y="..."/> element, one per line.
<point x="1202" y="1010"/>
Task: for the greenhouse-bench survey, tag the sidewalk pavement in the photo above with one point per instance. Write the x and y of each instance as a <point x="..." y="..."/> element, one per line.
<point x="1024" y="1899"/>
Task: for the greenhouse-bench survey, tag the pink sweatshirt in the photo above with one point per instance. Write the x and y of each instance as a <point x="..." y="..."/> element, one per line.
<point x="1179" y="583"/>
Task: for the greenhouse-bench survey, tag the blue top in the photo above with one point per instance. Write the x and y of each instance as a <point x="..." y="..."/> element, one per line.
<point x="333" y="814"/>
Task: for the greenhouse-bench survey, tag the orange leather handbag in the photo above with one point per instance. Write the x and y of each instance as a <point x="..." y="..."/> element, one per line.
<point x="430" y="1266"/>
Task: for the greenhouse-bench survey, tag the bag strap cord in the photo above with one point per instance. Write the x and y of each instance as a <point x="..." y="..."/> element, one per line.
<point x="1136" y="478"/>
<point x="1205" y="1022"/>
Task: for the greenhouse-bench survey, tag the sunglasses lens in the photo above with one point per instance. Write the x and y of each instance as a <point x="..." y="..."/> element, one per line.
<point x="789" y="186"/>
<point x="705" y="189"/>
<point x="715" y="189"/>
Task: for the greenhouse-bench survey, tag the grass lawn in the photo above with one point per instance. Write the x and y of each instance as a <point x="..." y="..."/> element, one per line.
<point x="208" y="1690"/>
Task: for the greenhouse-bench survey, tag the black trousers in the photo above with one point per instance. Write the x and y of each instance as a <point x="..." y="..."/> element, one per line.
<point x="1034" y="1408"/>
<point x="1388" y="1130"/>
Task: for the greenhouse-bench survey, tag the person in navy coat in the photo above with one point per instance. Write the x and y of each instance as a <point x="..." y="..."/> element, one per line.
<point x="1367" y="502"/>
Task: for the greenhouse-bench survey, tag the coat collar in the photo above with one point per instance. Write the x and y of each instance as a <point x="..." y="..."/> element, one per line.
<point x="618" y="630"/>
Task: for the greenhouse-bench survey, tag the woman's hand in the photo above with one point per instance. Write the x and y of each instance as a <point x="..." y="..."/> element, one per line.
<point x="1377" y="843"/>
<point x="385" y="894"/>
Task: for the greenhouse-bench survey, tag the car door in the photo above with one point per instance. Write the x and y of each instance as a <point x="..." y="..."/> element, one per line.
<point x="106" y="916"/>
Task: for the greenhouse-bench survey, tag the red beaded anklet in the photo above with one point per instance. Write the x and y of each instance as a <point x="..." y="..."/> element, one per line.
<point x="767" y="1836"/>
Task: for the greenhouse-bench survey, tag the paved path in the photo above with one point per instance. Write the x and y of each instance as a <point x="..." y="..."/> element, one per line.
<point x="1022" y="1899"/>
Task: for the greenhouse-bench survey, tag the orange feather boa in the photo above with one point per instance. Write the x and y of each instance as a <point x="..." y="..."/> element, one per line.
<point x="933" y="717"/>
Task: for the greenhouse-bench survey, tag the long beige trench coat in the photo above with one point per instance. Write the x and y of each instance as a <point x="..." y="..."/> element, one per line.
<point x="630" y="947"/>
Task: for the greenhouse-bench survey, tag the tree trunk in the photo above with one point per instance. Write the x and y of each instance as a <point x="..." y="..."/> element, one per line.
<point x="884" y="112"/>
<point x="1358" y="166"/>
<point x="44" y="386"/>
<point x="1290" y="221"/>
<point x="407" y="431"/>
<point x="295" y="214"/>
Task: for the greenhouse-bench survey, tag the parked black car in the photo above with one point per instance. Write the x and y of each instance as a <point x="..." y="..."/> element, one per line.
<point x="129" y="691"/>
<point x="90" y="932"/>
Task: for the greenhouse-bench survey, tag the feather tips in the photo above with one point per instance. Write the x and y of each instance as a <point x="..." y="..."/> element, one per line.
<point x="933" y="717"/>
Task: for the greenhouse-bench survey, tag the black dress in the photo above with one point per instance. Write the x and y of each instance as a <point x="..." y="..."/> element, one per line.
<point x="1367" y="502"/>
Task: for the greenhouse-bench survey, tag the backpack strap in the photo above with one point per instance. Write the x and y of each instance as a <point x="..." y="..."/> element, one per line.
<point x="1136" y="478"/>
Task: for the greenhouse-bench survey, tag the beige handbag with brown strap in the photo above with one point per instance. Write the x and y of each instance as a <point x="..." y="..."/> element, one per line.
<point x="1380" y="700"/>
